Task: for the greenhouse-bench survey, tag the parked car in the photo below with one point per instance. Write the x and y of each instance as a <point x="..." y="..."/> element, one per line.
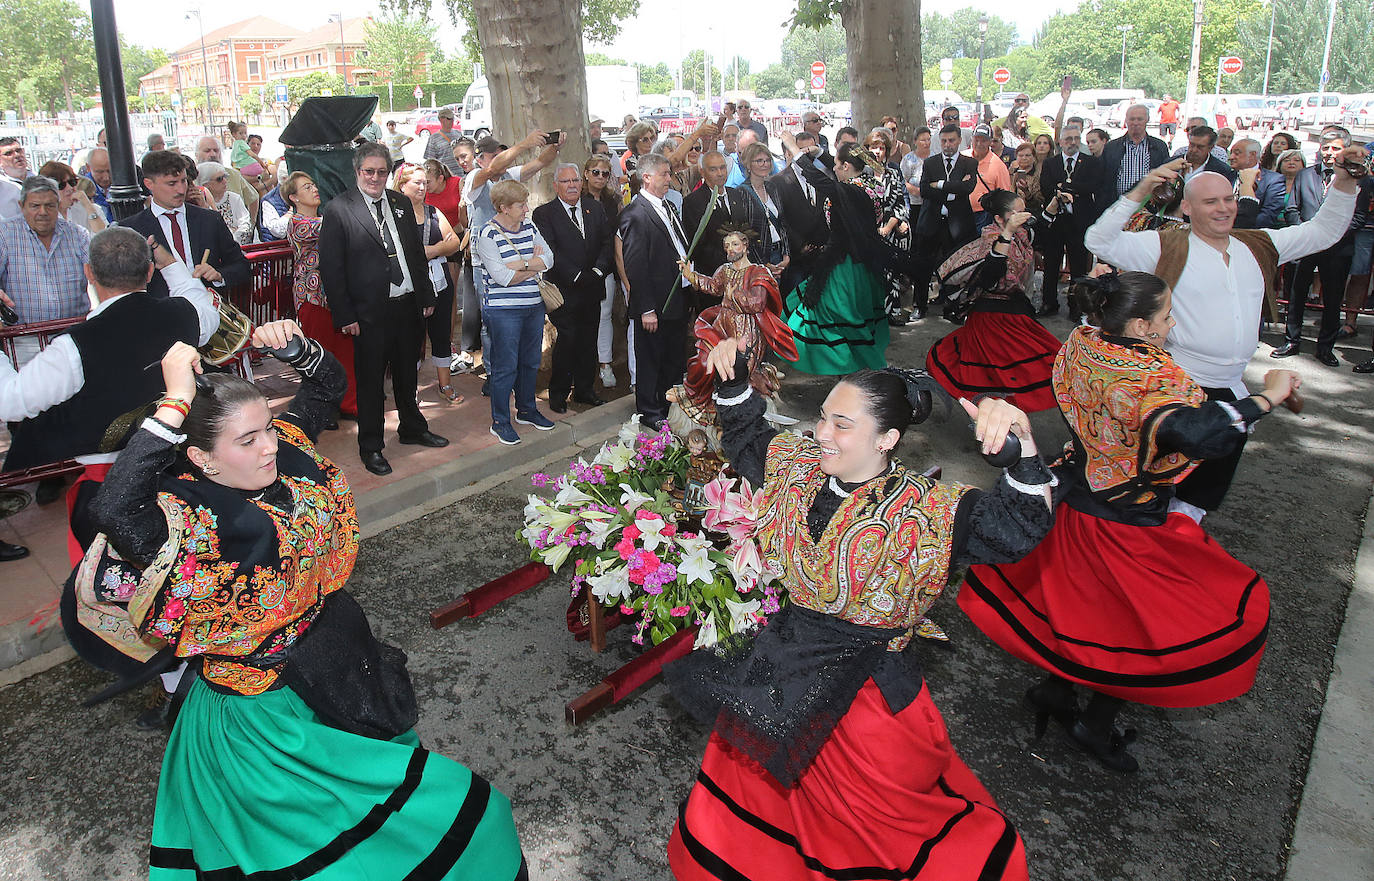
<point x="1274" y="106"/>
<point x="1116" y="115"/>
<point x="1359" y="112"/>
<point x="1310" y="108"/>
<point x="429" y="122"/>
<point x="839" y="112"/>
<point x="1247" y="111"/>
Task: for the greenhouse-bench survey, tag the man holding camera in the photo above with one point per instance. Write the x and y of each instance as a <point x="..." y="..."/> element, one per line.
<point x="1073" y="177"/>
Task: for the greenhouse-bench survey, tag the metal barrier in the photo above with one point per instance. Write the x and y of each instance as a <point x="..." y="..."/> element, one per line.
<point x="265" y="297"/>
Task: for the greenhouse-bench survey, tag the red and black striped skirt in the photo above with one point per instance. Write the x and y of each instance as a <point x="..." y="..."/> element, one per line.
<point x="1001" y="353"/>
<point x="1158" y="615"/>
<point x="885" y="798"/>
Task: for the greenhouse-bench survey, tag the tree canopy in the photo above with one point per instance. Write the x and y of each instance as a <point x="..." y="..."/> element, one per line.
<point x="396" y="46"/>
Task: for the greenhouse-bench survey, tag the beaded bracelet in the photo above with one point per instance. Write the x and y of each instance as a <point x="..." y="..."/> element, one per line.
<point x="174" y="404"/>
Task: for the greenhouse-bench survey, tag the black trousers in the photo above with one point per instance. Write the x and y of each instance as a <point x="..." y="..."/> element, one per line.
<point x="574" y="351"/>
<point x="393" y="343"/>
<point x="1334" y="266"/>
<point x="1058" y="244"/>
<point x="1206" y="486"/>
<point x="929" y="252"/>
<point x="660" y="364"/>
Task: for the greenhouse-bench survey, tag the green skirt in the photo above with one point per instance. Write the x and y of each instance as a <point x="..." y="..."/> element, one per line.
<point x="260" y="784"/>
<point x="847" y="330"/>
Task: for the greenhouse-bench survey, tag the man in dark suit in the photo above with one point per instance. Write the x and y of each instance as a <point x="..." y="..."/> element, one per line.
<point x="1070" y="181"/>
<point x="1259" y="191"/>
<point x="1312" y="185"/>
<point x="803" y="213"/>
<point x="1127" y="159"/>
<point x="733" y="207"/>
<point x="576" y="230"/>
<point x="1199" y="156"/>
<point x="946" y="219"/>
<point x="186" y="231"/>
<point x="376" y="278"/>
<point x="653" y="239"/>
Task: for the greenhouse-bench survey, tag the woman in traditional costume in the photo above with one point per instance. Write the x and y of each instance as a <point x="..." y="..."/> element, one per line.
<point x="1124" y="597"/>
<point x="227" y="541"/>
<point x="1001" y="349"/>
<point x="837" y="314"/>
<point x="828" y="758"/>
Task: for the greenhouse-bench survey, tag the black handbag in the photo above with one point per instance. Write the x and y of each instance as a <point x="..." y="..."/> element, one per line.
<point x="352" y="680"/>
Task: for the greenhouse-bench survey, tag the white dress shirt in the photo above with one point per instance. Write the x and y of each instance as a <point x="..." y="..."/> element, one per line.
<point x="407" y="284"/>
<point x="1217" y="302"/>
<point x="164" y="217"/>
<point x="55" y="374"/>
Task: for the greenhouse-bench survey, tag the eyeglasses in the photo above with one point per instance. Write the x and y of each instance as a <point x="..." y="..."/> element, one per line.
<point x="643" y="138"/>
<point x="373" y="172"/>
<point x="69" y="182"/>
<point x="600" y="172"/>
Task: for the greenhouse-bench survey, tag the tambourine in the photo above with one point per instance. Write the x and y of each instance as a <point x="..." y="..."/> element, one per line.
<point x="233" y="335"/>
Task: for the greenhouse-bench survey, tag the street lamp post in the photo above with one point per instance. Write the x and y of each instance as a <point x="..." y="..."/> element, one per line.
<point x="343" y="52"/>
<point x="982" y="44"/>
<point x="124" y="195"/>
<point x="204" y="69"/>
<point x="1326" y="53"/>
<point x="1125" y="29"/>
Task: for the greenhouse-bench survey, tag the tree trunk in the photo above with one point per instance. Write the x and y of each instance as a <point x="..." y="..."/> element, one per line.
<point x="67" y="90"/>
<point x="532" y="50"/>
<point x="883" y="39"/>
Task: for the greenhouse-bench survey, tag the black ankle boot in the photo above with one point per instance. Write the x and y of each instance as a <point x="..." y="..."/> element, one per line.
<point x="1095" y="734"/>
<point x="1053" y="698"/>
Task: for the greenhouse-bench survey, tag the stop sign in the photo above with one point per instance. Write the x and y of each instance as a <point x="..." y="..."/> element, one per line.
<point x="1231" y="64"/>
<point x="1001" y="76"/>
<point x="818" y="68"/>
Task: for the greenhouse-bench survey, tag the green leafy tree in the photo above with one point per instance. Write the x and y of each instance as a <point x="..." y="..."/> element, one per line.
<point x="775" y="81"/>
<point x="50" y="42"/>
<point x="600" y="18"/>
<point x="956" y="35"/>
<point x="598" y="59"/>
<point x="655" y="80"/>
<point x="804" y="46"/>
<point x="299" y="88"/>
<point x="138" y="61"/>
<point x="694" y="72"/>
<point x="1156" y="76"/>
<point x="251" y="104"/>
<point x="1299" y="37"/>
<point x="397" y="46"/>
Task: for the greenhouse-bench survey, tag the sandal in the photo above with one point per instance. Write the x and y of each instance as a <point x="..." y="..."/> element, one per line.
<point x="448" y="392"/>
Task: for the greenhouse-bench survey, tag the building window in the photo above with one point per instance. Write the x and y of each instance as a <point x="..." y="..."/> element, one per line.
<point x="254" y="68"/>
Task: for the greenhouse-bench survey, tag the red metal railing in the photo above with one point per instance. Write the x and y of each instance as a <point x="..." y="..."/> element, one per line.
<point x="265" y="297"/>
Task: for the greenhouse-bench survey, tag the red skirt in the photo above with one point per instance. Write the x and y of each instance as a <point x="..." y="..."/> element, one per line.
<point x="886" y="798"/>
<point x="318" y="324"/>
<point x="1158" y="615"/>
<point x="1002" y="353"/>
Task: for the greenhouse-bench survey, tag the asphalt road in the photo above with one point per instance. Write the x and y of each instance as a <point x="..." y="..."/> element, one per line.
<point x="1215" y="798"/>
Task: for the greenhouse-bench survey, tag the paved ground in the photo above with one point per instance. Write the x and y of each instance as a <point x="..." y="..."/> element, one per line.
<point x="1216" y="797"/>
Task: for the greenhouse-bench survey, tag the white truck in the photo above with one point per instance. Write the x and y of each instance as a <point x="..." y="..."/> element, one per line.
<point x="612" y="93"/>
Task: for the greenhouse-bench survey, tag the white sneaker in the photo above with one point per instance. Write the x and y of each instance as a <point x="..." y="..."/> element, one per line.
<point x="607" y="376"/>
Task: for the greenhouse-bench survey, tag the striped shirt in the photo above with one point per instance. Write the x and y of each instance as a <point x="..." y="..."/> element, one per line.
<point x="46" y="283"/>
<point x="495" y="248"/>
<point x="1135" y="164"/>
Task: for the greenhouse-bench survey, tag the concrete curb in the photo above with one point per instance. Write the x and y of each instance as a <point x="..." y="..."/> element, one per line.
<point x="26" y="643"/>
<point x="1334" y="833"/>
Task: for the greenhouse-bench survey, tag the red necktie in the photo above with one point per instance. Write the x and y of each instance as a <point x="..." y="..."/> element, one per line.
<point x="177" y="241"/>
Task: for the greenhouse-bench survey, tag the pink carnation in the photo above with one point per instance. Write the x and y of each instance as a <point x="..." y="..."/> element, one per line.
<point x="680" y="611"/>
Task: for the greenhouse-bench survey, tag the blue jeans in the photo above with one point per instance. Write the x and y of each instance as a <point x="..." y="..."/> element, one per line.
<point x="517" y="340"/>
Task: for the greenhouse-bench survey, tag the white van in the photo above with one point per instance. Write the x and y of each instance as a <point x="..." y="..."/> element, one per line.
<point x="1310" y="108"/>
<point x="612" y="93"/>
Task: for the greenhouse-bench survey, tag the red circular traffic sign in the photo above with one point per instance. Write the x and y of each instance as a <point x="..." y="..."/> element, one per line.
<point x="1231" y="64"/>
<point x="818" y="68"/>
<point x="1001" y="76"/>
